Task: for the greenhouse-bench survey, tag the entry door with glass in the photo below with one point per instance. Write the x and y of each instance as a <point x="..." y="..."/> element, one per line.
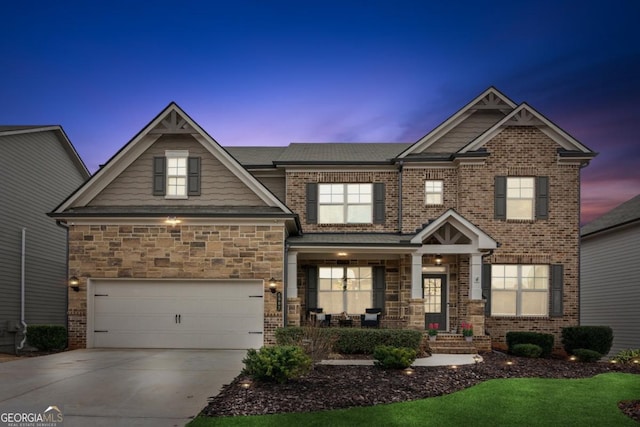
<point x="434" y="292"/>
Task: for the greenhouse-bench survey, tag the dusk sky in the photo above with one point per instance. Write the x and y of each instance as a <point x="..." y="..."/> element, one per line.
<point x="273" y="72"/>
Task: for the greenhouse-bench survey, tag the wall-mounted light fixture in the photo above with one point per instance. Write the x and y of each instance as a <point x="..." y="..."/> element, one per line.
<point x="438" y="259"/>
<point x="273" y="285"/>
<point x="172" y="221"/>
<point x="74" y="283"/>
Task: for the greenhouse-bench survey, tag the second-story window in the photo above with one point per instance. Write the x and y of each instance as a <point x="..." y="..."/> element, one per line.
<point x="176" y="174"/>
<point x="433" y="192"/>
<point x="520" y="198"/>
<point x="345" y="203"/>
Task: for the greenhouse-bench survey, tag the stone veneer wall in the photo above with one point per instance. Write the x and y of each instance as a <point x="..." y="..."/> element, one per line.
<point x="180" y="252"/>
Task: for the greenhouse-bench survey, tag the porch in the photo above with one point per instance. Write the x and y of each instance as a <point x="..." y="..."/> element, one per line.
<point x="432" y="276"/>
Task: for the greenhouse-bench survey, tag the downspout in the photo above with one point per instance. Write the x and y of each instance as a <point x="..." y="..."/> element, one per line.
<point x="400" y="167"/>
<point x="64" y="225"/>
<point x="22" y="286"/>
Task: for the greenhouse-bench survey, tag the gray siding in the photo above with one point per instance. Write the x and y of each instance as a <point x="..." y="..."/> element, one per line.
<point x="465" y="132"/>
<point x="610" y="284"/>
<point x="36" y="175"/>
<point x="219" y="186"/>
<point x="276" y="185"/>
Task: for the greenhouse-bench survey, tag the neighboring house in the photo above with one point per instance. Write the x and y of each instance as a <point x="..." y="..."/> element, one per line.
<point x="175" y="238"/>
<point x="609" y="272"/>
<point x="38" y="168"/>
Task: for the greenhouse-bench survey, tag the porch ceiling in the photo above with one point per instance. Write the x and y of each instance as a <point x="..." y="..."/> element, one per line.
<point x="361" y="243"/>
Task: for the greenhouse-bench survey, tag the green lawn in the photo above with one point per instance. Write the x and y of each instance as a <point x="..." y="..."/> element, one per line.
<point x="503" y="402"/>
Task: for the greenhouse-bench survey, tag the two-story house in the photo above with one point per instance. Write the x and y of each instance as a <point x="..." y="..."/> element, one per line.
<point x="38" y="167"/>
<point x="175" y="239"/>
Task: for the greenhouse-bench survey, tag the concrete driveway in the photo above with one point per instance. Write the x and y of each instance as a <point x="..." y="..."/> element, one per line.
<point x="118" y="387"/>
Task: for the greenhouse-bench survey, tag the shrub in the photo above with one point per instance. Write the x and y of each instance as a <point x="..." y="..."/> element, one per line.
<point x="586" y="355"/>
<point x="47" y="337"/>
<point x="389" y="357"/>
<point x="277" y="363"/>
<point x="544" y="341"/>
<point x="527" y="350"/>
<point x="364" y="341"/>
<point x="628" y="356"/>
<point x="316" y="342"/>
<point x="596" y="338"/>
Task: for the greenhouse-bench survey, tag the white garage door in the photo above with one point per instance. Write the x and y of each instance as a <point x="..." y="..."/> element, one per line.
<point x="184" y="314"/>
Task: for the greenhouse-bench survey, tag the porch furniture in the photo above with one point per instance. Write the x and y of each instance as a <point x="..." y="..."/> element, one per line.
<point x="318" y="318"/>
<point x="371" y="318"/>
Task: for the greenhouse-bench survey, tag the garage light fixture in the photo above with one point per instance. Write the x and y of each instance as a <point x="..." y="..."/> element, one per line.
<point x="74" y="283"/>
<point x="172" y="221"/>
<point x="438" y="259"/>
<point x="273" y="285"/>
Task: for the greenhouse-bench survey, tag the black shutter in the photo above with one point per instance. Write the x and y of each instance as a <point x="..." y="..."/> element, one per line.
<point x="378" y="203"/>
<point x="312" y="287"/>
<point x="312" y="203"/>
<point x="486" y="288"/>
<point x="542" y="197"/>
<point x="378" y="287"/>
<point x="159" y="176"/>
<point x="193" y="176"/>
<point x="500" y="197"/>
<point x="557" y="284"/>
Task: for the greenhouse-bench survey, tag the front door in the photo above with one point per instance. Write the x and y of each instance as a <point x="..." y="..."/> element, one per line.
<point x="434" y="292"/>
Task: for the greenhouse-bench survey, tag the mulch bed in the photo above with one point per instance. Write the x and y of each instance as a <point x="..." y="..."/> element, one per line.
<point x="332" y="387"/>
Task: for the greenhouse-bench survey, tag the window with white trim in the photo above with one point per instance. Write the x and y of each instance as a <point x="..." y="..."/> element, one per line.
<point x="520" y="198"/>
<point x="433" y="192"/>
<point x="519" y="290"/>
<point x="345" y="203"/>
<point x="345" y="289"/>
<point x="176" y="174"/>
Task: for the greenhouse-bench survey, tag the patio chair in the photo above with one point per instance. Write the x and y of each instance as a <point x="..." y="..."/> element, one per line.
<point x="371" y="318"/>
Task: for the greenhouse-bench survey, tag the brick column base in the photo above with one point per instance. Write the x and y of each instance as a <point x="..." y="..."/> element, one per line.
<point x="475" y="308"/>
<point x="293" y="311"/>
<point x="416" y="314"/>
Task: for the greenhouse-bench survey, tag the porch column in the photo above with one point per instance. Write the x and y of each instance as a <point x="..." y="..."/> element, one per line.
<point x="292" y="274"/>
<point x="293" y="302"/>
<point x="475" y="277"/>
<point x="416" y="276"/>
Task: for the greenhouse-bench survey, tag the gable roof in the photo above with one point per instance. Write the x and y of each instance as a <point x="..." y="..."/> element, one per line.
<point x="7" y="130"/>
<point x="171" y="120"/>
<point x="479" y="238"/>
<point x="490" y="99"/>
<point x="626" y="213"/>
<point x="524" y="115"/>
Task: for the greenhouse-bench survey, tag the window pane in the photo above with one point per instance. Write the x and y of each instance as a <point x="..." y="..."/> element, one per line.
<point x="519" y="209"/>
<point x="534" y="304"/>
<point x="503" y="303"/>
<point x="358" y="301"/>
<point x="331" y="214"/>
<point x="434" y="199"/>
<point x="324" y="284"/>
<point x="330" y="302"/>
<point x="359" y="214"/>
<point x="176" y="186"/>
<point x="176" y="166"/>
